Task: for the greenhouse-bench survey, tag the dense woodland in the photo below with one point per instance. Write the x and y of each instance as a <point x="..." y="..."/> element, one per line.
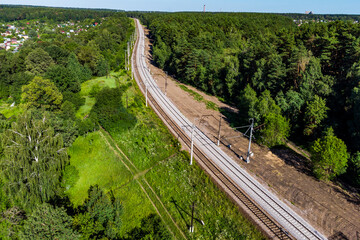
<point x="43" y="81"/>
<point x="297" y="82"/>
<point x="18" y="12"/>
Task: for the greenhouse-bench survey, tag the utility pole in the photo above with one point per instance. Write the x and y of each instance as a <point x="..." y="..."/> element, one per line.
<point x="218" y="141"/>
<point x="192" y="144"/>
<point x="249" y="153"/>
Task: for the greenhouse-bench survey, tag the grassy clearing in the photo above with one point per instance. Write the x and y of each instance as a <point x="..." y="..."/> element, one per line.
<point x="199" y="98"/>
<point x="89" y="89"/>
<point x="148" y="141"/>
<point x="135" y="204"/>
<point x="99" y="82"/>
<point x="86" y="108"/>
<point x="93" y="163"/>
<point x="165" y="215"/>
<point x="178" y="184"/>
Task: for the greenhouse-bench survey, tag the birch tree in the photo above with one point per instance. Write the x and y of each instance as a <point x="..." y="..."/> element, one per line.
<point x="33" y="159"/>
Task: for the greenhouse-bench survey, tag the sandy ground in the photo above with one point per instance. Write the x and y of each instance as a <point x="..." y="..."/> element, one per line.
<point x="330" y="209"/>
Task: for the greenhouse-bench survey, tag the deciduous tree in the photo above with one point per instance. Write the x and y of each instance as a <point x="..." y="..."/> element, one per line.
<point x="41" y="93"/>
<point x="315" y="112"/>
<point x="38" y="61"/>
<point x="329" y="156"/>
<point x="47" y="222"/>
<point x="33" y="160"/>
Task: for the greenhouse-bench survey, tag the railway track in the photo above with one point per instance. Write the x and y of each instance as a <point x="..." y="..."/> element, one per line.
<point x="228" y="173"/>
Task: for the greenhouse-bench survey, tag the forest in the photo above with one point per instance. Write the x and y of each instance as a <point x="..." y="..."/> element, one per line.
<point x="81" y="156"/>
<point x="43" y="82"/>
<point x="299" y="82"/>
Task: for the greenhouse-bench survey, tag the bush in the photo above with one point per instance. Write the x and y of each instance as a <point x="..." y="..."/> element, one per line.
<point x="329" y="156"/>
<point x="109" y="109"/>
<point x="276" y="130"/>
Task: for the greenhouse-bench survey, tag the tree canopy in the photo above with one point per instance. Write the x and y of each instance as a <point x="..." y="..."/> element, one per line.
<point x="329" y="156"/>
<point x="33" y="159"/>
<point x="41" y="93"/>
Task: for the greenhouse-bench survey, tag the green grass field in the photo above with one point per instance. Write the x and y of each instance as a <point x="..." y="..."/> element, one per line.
<point x="93" y="162"/>
<point x="90" y="86"/>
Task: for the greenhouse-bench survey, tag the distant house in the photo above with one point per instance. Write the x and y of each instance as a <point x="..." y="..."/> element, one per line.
<point x="309" y="12"/>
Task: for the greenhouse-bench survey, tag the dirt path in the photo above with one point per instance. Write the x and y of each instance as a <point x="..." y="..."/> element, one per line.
<point x="332" y="210"/>
<point x="138" y="177"/>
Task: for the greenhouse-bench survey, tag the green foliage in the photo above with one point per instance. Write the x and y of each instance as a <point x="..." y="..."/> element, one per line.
<point x="47" y="222"/>
<point x="78" y="73"/>
<point x="198" y="97"/>
<point x="329" y="156"/>
<point x="11" y="222"/>
<point x="109" y="109"/>
<point x="63" y="79"/>
<point x="19" y="12"/>
<point x="247" y="103"/>
<point x="58" y="54"/>
<point x="151" y="228"/>
<point x="291" y="104"/>
<point x="276" y="129"/>
<point x="102" y="68"/>
<point x="266" y="105"/>
<point x="41" y="93"/>
<point x="354" y="169"/>
<point x="74" y="98"/>
<point x="354" y="123"/>
<point x="32" y="33"/>
<point x="38" y="61"/>
<point x="68" y="110"/>
<point x="90" y="55"/>
<point x="315" y="112"/>
<point x="64" y="126"/>
<point x="92" y="163"/>
<point x="100" y="216"/>
<point x="33" y="159"/>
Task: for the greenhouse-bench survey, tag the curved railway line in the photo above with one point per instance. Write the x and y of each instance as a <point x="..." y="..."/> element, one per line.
<point x="278" y="220"/>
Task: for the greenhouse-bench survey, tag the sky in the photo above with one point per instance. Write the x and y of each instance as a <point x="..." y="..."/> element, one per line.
<point x="275" y="6"/>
